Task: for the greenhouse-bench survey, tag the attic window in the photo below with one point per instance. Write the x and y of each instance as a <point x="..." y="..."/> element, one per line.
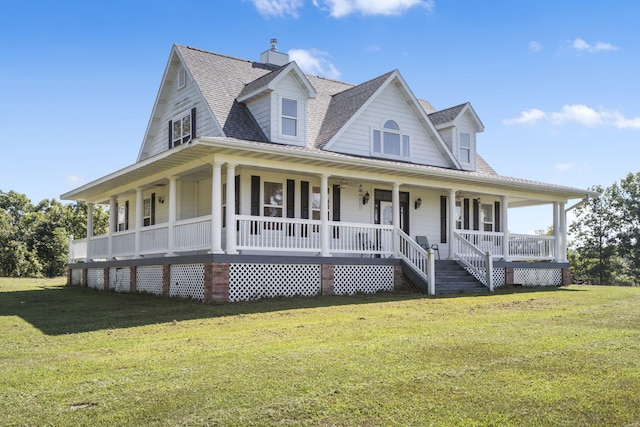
<point x="289" y="117"/>
<point x="181" y="129"/>
<point x="465" y="147"/>
<point x="390" y="142"/>
<point x="182" y="78"/>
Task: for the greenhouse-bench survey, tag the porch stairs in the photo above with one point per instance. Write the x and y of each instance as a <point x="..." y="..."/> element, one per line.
<point x="452" y="278"/>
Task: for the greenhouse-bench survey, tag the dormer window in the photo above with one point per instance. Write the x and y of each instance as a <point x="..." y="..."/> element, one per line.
<point x="390" y="142"/>
<point x="465" y="148"/>
<point x="289" y="117"/>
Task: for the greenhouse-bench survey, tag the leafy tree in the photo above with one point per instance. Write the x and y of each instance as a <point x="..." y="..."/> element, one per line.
<point x="626" y="205"/>
<point x="594" y="244"/>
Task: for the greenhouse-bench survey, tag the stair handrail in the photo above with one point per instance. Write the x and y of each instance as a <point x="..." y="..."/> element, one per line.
<point x="479" y="264"/>
<point x="418" y="259"/>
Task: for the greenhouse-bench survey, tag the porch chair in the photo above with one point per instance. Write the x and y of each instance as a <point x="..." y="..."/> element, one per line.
<point x="423" y="242"/>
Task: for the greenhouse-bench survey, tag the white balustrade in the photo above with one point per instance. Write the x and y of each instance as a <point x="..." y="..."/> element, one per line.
<point x="363" y="239"/>
<point x="123" y="243"/>
<point x="98" y="247"/>
<point x="78" y="249"/>
<point x="485" y="241"/>
<point x="278" y="234"/>
<point x="420" y="260"/>
<point x="479" y="264"/>
<point x="531" y="247"/>
<point x="192" y="234"/>
<point x="154" y="239"/>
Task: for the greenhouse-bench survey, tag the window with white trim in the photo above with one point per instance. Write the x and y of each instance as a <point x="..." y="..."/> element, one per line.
<point x="465" y="148"/>
<point x="181" y="129"/>
<point x="487" y="217"/>
<point x="390" y="142"/>
<point x="273" y="199"/>
<point x="289" y="117"/>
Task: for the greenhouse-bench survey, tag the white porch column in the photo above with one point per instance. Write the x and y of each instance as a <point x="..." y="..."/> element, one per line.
<point x="89" y="220"/>
<point x="451" y="222"/>
<point x="556" y="231"/>
<point x="216" y="209"/>
<point x="231" y="209"/>
<point x="173" y="213"/>
<point x="139" y="221"/>
<point x="395" y="219"/>
<point x="113" y="222"/>
<point x="324" y="216"/>
<point x="505" y="228"/>
<point x="563" y="233"/>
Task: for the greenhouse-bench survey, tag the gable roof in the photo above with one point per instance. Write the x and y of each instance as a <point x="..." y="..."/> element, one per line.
<point x="344" y="105"/>
<point x="446" y="117"/>
<point x="268" y="82"/>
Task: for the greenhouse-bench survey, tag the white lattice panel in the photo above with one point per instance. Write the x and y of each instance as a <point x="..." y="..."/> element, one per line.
<point x="76" y="277"/>
<point x="480" y="274"/>
<point x="120" y="279"/>
<point x="254" y="281"/>
<point x="537" y="276"/>
<point x="187" y="281"/>
<point x="351" y="279"/>
<point x="498" y="277"/>
<point x="95" y="278"/>
<point x="149" y="279"/>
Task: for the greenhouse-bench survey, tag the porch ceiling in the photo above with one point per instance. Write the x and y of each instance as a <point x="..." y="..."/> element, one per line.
<point x="202" y="151"/>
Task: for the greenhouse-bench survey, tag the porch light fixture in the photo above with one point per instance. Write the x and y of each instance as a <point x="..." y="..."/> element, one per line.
<point x="418" y="203"/>
<point x="365" y="198"/>
<point x="161" y="199"/>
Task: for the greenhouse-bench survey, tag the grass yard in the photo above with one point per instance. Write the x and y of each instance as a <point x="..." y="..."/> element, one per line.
<point x="74" y="356"/>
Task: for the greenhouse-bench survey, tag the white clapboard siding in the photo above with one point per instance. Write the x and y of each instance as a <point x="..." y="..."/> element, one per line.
<point x="389" y="105"/>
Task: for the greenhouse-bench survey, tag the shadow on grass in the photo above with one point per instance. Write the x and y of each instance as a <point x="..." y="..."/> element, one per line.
<point x="69" y="309"/>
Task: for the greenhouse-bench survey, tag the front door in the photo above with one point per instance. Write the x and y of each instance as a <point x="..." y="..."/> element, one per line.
<point x="383" y="209"/>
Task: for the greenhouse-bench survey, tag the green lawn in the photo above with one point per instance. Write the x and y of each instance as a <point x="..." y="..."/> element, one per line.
<point x="73" y="356"/>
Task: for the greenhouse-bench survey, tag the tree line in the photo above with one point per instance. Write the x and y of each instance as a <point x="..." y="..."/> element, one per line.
<point x="604" y="247"/>
<point x="34" y="239"/>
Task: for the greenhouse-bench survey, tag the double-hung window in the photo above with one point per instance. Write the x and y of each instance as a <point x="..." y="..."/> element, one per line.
<point x="181" y="131"/>
<point x="289" y="117"/>
<point x="486" y="217"/>
<point x="390" y="142"/>
<point x="273" y="199"/>
<point x="465" y="147"/>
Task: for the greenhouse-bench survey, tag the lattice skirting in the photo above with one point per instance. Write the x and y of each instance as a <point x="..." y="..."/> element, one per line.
<point x="351" y="279"/>
<point x="76" y="277"/>
<point x="120" y="279"/>
<point x="187" y="281"/>
<point x="537" y="276"/>
<point x="149" y="279"/>
<point x="499" y="278"/>
<point x="254" y="281"/>
<point x="95" y="278"/>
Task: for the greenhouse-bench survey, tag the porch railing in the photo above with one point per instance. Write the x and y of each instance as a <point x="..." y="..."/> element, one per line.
<point x="479" y="264"/>
<point x="421" y="261"/>
<point x="358" y="238"/>
<point x="277" y="234"/>
<point x="485" y="241"/>
<point x="531" y="247"/>
<point x="154" y="239"/>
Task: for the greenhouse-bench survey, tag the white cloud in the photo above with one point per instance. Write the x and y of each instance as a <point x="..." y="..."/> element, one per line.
<point x="373" y="48"/>
<point x="341" y="8"/>
<point x="582" y="46"/>
<point x="527" y="117"/>
<point x="278" y="7"/>
<point x="535" y="46"/>
<point x="576" y="113"/>
<point x="314" y="62"/>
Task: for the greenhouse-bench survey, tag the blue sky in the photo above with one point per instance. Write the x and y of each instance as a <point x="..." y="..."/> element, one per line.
<point x="555" y="83"/>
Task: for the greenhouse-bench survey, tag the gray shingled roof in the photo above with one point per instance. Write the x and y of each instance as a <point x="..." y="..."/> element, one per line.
<point x="447" y="115"/>
<point x="344" y="105"/>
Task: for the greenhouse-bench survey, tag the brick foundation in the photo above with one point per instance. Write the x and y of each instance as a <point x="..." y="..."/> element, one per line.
<point x="327" y="279"/>
<point x="219" y="279"/>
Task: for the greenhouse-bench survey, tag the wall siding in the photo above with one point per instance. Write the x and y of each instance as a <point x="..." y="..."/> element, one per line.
<point x="261" y="110"/>
<point x="178" y="102"/>
<point x="288" y="87"/>
<point x="389" y="105"/>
